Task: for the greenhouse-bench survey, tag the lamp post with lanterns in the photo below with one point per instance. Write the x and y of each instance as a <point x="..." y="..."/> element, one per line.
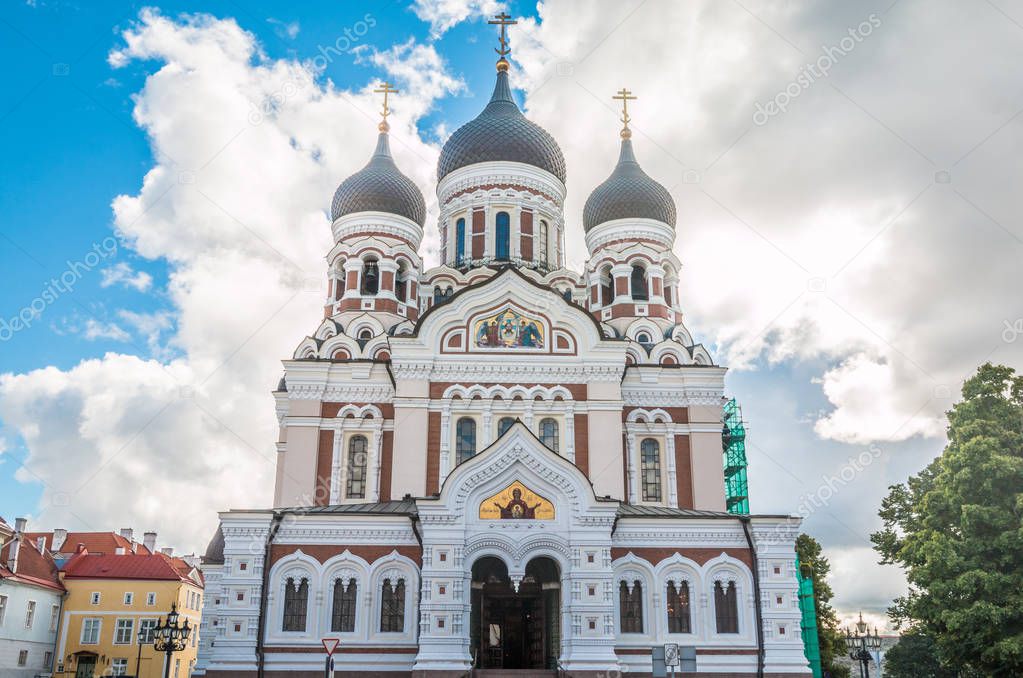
<point x="170" y="636"/>
<point x="861" y="645"/>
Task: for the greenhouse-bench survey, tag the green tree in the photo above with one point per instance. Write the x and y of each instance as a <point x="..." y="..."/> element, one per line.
<point x="955" y="529"/>
<point x="915" y="656"/>
<point x="830" y="638"/>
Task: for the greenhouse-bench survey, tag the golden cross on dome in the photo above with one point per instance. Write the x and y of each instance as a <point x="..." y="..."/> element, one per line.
<point x="625" y="96"/>
<point x="385" y="89"/>
<point x="504" y="21"/>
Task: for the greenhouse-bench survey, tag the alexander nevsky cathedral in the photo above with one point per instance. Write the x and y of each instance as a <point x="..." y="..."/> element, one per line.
<point x="499" y="464"/>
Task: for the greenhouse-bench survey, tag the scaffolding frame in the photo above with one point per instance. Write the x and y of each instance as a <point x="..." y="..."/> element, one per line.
<point x="808" y="622"/>
<point x="733" y="443"/>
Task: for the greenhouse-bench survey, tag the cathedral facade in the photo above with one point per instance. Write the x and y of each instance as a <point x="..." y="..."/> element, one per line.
<point x="500" y="463"/>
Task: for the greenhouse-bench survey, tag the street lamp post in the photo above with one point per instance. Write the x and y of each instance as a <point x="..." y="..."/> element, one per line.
<point x="170" y="637"/>
<point x="861" y="644"/>
<point x="138" y="659"/>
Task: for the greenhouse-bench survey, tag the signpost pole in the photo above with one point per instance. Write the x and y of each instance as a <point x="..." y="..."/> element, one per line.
<point x="330" y="645"/>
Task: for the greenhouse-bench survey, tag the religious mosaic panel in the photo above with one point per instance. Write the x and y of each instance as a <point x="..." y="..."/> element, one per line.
<point x="516" y="502"/>
<point x="508" y="328"/>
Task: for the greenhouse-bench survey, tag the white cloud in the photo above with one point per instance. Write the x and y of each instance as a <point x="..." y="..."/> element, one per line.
<point x="285" y="29"/>
<point x="443" y="15"/>
<point x="95" y="329"/>
<point x="123" y="274"/>
<point x="248" y="153"/>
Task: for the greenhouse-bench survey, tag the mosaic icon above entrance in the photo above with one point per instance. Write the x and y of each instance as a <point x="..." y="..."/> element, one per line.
<point x="516" y="502"/>
<point x="508" y="329"/>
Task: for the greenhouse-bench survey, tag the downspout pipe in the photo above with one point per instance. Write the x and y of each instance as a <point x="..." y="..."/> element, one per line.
<point x="275" y="525"/>
<point x="758" y="612"/>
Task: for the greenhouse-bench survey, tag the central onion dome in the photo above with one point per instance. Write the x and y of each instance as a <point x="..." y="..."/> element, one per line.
<point x="629" y="193"/>
<point x="501" y="133"/>
<point x="380" y="187"/>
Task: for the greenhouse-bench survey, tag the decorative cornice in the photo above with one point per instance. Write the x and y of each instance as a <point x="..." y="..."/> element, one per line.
<point x="630" y="229"/>
<point x="535" y="371"/>
<point x="377" y="223"/>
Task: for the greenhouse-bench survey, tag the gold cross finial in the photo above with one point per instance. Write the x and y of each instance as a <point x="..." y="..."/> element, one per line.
<point x="504" y="21"/>
<point x="385" y="89"/>
<point x="625" y="96"/>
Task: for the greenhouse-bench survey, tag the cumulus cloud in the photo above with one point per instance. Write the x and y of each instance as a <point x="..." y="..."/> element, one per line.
<point x="248" y="151"/>
<point x="95" y="329"/>
<point x="445" y="14"/>
<point x="123" y="274"/>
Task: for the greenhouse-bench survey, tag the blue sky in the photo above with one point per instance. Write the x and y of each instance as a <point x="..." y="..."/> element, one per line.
<point x="852" y="259"/>
<point x="71" y="145"/>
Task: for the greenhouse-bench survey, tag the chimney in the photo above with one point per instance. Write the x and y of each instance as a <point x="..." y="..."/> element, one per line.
<point x="127" y="533"/>
<point x="20" y="524"/>
<point x="149" y="541"/>
<point x="59" y="537"/>
<point x="41" y="544"/>
<point x="168" y="551"/>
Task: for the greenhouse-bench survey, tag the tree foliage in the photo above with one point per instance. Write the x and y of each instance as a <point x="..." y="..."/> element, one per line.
<point x="915" y="656"/>
<point x="955" y="529"/>
<point x="829" y="636"/>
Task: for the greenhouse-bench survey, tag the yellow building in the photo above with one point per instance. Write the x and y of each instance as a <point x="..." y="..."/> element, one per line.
<point x="113" y="596"/>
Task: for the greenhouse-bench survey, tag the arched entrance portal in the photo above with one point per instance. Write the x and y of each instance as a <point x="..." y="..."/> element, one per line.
<point x="516" y="629"/>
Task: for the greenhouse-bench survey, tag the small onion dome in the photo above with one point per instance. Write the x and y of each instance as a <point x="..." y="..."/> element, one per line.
<point x="215" y="550"/>
<point x="499" y="133"/>
<point x="380" y="187"/>
<point x="629" y="193"/>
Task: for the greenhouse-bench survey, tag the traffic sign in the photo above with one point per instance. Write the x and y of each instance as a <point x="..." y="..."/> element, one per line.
<point x="330" y="645"/>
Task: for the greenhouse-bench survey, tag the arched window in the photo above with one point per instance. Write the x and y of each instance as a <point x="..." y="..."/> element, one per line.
<point x="566" y="294"/>
<point x="459" y="241"/>
<point x="401" y="284"/>
<point x="639" y="290"/>
<point x="504" y="424"/>
<point x="606" y="287"/>
<point x="541" y="240"/>
<point x="465" y="439"/>
<point x="549" y="433"/>
<point x="644" y="340"/>
<point x="370" y="277"/>
<point x="296" y="600"/>
<point x="339" y="282"/>
<point x="650" y="469"/>
<point x="630" y="604"/>
<point x="438" y="295"/>
<point x="392" y="606"/>
<point x="358" y="447"/>
<point x="726" y="607"/>
<point x="503" y="245"/>
<point x="679" y="620"/>
<point x="342" y="614"/>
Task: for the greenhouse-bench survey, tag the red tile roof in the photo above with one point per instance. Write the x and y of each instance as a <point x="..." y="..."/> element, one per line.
<point x="32" y="567"/>
<point x="96" y="542"/>
<point x="87" y="565"/>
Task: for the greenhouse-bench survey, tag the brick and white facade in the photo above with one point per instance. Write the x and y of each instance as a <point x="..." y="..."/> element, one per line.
<point x="577" y="386"/>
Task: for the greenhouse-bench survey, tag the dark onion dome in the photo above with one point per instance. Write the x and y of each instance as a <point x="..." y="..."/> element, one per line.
<point x="501" y="133"/>
<point x="380" y="187"/>
<point x="215" y="550"/>
<point x="629" y="193"/>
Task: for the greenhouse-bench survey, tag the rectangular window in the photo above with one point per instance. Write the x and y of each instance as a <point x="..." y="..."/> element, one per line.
<point x="119" y="667"/>
<point x="150" y="598"/>
<point x="147" y="626"/>
<point x="129" y="597"/>
<point x="90" y="631"/>
<point x="22" y="657"/>
<point x="124" y="631"/>
<point x="47" y="660"/>
<point x="94" y="598"/>
<point x="30" y="614"/>
<point x="3" y="609"/>
<point x="54" y="616"/>
<point x="242" y="566"/>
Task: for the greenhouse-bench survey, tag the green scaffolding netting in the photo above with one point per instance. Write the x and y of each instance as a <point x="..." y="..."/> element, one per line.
<point x="733" y="442"/>
<point x="808" y="624"/>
